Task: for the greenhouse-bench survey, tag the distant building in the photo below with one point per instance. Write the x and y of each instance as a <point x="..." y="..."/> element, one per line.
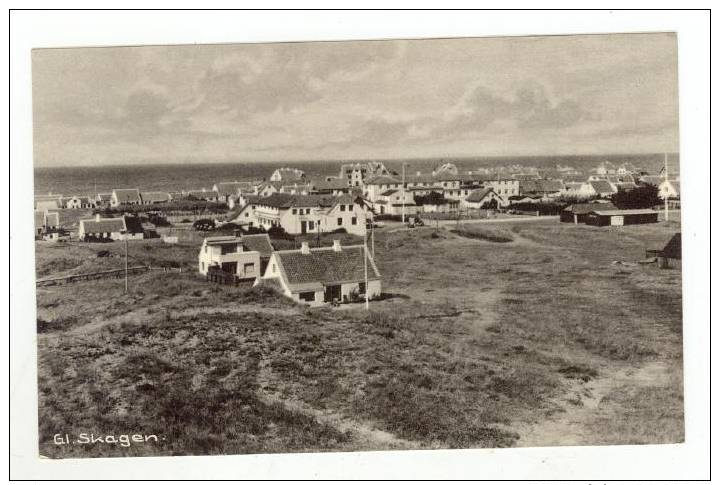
<point x="669" y="189"/>
<point x="374" y="186"/>
<point x="482" y="199"/>
<point x="355" y="174"/>
<point x="114" y="228"/>
<point x="103" y="200"/>
<point x="447" y="168"/>
<point x="49" y="202"/>
<point x="154" y="197"/>
<point x="318" y="276"/>
<point x="80" y="202"/>
<point x="225" y="190"/>
<point x="577" y="213"/>
<point x="543" y="187"/>
<point x="596" y="188"/>
<point x="621" y="217"/>
<point x="206" y="195"/>
<point x="125" y="197"/>
<point x="331" y="185"/>
<point x="301" y="214"/>
<point x="46" y="222"/>
<point x="228" y="257"/>
<point x="394" y="201"/>
<point x="287" y="175"/>
<point x="504" y="187"/>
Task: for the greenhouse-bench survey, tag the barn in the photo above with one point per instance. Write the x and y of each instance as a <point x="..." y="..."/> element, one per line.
<point x="577" y="213"/>
<point x="621" y="217"/>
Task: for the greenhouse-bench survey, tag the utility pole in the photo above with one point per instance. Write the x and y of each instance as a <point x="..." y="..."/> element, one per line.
<point x="126" y="263"/>
<point x="666" y="182"/>
<point x="403" y="193"/>
<point x="367" y="292"/>
<point x="372" y="232"/>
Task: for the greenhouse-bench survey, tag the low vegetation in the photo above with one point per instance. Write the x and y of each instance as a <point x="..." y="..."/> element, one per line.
<point x="474" y="344"/>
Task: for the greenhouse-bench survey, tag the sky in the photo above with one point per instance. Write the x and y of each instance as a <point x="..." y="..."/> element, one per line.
<point x="502" y="96"/>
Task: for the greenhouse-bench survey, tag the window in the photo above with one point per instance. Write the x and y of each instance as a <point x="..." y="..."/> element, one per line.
<point x="350" y="207"/>
<point x="340" y="221"/>
<point x="311" y="225"/>
<point x="354" y="221"/>
<point x="294" y="211"/>
<point x="307" y="296"/>
<point x="361" y="288"/>
<point x="342" y="207"/>
<point x="249" y="268"/>
<point x="202" y="266"/>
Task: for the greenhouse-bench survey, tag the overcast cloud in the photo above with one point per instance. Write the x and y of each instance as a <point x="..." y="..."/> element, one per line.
<point x="380" y="99"/>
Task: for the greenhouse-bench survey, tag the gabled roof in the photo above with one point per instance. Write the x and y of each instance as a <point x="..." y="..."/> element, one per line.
<point x="52" y="219"/>
<point x="326" y="266"/>
<point x="478" y="195"/>
<point x="542" y="185"/>
<point x="39" y="219"/>
<point x="92" y="226"/>
<point x="601" y="186"/>
<point x="104" y="197"/>
<point x="155" y="196"/>
<point x="290" y="174"/>
<point x="334" y="183"/>
<point x="201" y="194"/>
<point x="127" y="195"/>
<point x="382" y="180"/>
<point x="258" y="242"/>
<point x="581" y="209"/>
<point x="673" y="248"/>
<point x="226" y="189"/>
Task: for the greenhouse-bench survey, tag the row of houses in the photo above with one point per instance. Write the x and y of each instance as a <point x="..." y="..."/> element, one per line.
<point x="111" y="199"/>
<point x="314" y="276"/>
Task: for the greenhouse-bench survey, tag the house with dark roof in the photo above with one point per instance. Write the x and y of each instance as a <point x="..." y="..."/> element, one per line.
<point x="544" y="187"/>
<point x="577" y="213"/>
<point x="330" y="185"/>
<point x="318" y="276"/>
<point x="125" y="197"/>
<point x="618" y="217"/>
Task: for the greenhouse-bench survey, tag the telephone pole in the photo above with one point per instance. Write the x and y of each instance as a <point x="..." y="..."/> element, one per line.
<point x="367" y="292"/>
<point x="126" y="264"/>
<point x="403" y="193"/>
<point x="666" y="183"/>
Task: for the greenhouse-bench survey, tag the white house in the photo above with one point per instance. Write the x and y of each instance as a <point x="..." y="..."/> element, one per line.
<point x="394" y="201"/>
<point x="504" y="187"/>
<point x="154" y="197"/>
<point x="596" y="188"/>
<point x="80" y="202"/>
<point x="114" y="228"/>
<point x="46" y="222"/>
<point x="125" y="197"/>
<point x="374" y="186"/>
<point x="318" y="276"/>
<point x="669" y="189"/>
<point x="287" y="174"/>
<point x="485" y="198"/>
<point x="228" y="255"/>
<point x="301" y="214"/>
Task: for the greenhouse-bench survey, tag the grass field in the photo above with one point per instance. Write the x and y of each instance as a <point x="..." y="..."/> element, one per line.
<point x="515" y="334"/>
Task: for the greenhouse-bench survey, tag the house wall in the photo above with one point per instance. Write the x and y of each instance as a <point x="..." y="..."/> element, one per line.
<point x="210" y="255"/>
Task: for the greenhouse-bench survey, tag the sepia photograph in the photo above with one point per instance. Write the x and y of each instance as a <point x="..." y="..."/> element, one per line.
<point x="377" y="245"/>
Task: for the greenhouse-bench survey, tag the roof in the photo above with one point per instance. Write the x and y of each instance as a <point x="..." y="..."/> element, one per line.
<point x="601" y="186"/>
<point x="423" y="178"/>
<point x="675" y="185"/>
<point x="126" y="195"/>
<point x="230" y="188"/>
<point x="155" y="196"/>
<point x="133" y="225"/>
<point x="673" y="248"/>
<point x="52" y="219"/>
<point x="625" y="212"/>
<point x="478" y="195"/>
<point x="382" y="180"/>
<point x="92" y="226"/>
<point x="217" y="240"/>
<point x="334" y="183"/>
<point x="201" y="194"/>
<point x="290" y="174"/>
<point x="587" y="208"/>
<point x="388" y="192"/>
<point x="542" y="185"/>
<point x="258" y="242"/>
<point x="104" y="197"/>
<point x="652" y="179"/>
<point x="285" y="200"/>
<point x="326" y="266"/>
<point x="39" y="219"/>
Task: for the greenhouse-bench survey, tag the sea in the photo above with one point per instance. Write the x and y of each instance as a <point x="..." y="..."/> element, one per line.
<point x="89" y="180"/>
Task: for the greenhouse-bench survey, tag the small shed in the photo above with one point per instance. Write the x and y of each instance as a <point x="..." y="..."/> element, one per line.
<point x="621" y="217"/>
<point x="578" y="213"/>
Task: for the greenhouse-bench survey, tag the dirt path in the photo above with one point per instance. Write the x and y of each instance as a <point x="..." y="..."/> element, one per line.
<point x="365" y="434"/>
<point x="583" y="404"/>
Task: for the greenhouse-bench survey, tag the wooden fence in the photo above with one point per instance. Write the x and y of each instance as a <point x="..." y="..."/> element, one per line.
<point x="113" y="273"/>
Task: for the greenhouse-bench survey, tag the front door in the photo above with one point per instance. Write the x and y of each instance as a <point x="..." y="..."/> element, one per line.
<point x="303" y="227"/>
<point x="332" y="293"/>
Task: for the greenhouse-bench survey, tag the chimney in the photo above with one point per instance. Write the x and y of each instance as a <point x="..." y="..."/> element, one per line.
<point x="97" y="217"/>
<point x="305" y="248"/>
<point x="336" y="245"/>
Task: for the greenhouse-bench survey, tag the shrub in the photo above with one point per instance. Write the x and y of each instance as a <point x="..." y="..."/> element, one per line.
<point x="204" y="225"/>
